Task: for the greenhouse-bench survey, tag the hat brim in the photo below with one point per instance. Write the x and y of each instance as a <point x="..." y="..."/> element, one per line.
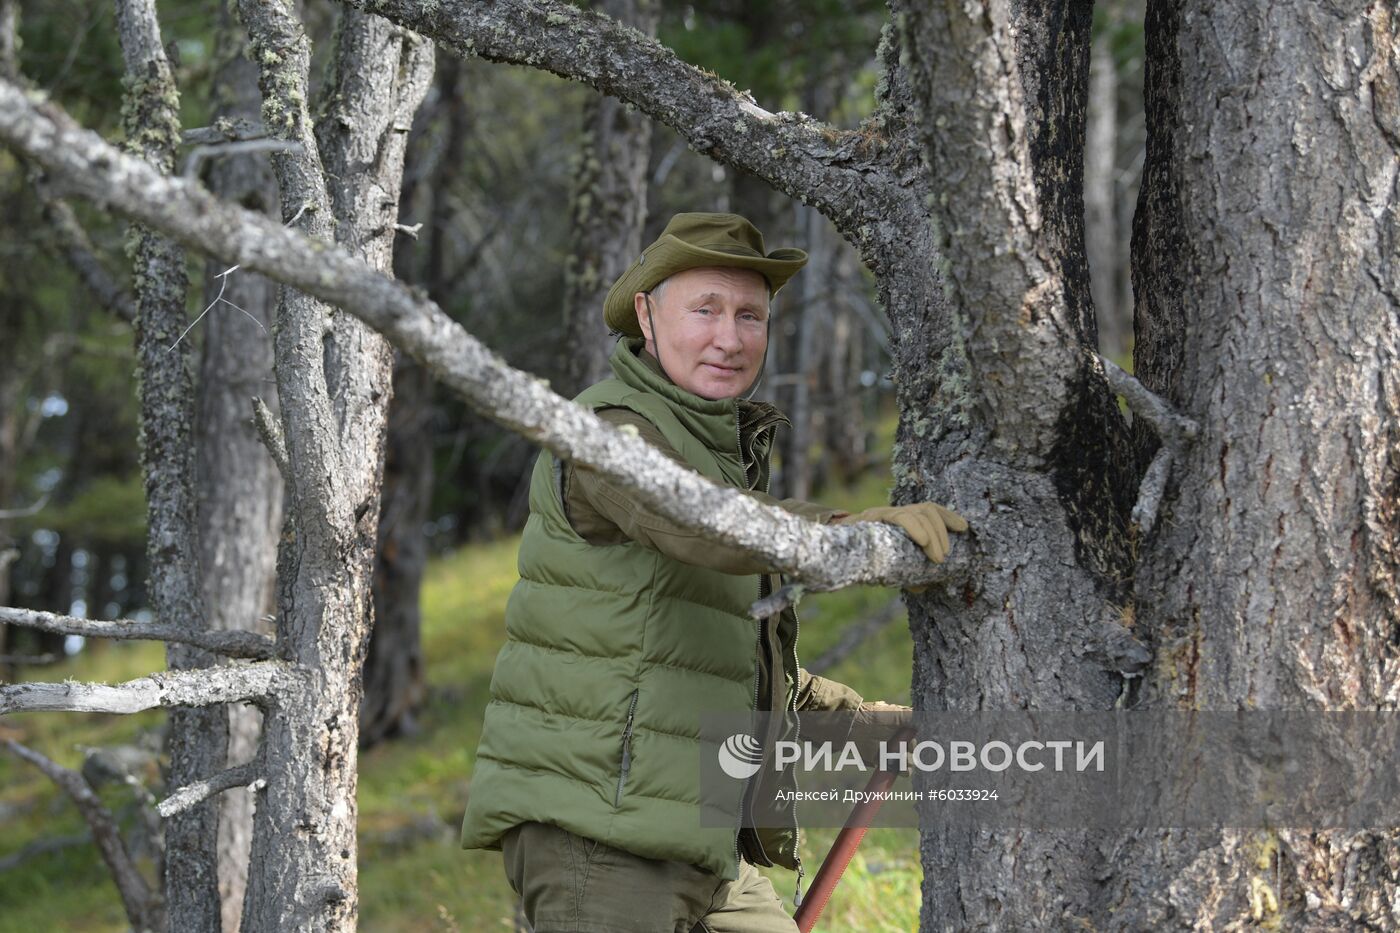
<point x="669" y="255"/>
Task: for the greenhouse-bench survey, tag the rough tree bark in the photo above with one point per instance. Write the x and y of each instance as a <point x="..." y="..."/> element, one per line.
<point x="395" y="685"/>
<point x="333" y="379"/>
<point x="382" y="74"/>
<point x="197" y="736"/>
<point x="606" y="215"/>
<point x="1269" y="307"/>
<point x="240" y="488"/>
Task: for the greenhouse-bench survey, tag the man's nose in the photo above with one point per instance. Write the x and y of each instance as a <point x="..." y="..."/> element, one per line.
<point x="726" y="335"/>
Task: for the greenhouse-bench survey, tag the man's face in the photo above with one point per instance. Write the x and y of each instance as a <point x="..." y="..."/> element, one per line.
<point x="711" y="329"/>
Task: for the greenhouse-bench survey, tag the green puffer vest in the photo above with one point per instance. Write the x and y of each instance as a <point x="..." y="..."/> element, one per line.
<point x="611" y="653"/>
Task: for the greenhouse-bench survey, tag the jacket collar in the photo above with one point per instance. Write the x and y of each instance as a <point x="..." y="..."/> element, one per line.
<point x="717" y="422"/>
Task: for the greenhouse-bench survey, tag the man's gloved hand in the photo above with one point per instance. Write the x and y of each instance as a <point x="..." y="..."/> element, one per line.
<point x="927" y="523"/>
<point x="877" y="722"/>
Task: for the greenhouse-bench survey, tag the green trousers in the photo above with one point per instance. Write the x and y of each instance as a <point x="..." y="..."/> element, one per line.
<point x="568" y="882"/>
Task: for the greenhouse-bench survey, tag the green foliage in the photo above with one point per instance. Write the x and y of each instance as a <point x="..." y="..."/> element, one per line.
<point x="108" y="510"/>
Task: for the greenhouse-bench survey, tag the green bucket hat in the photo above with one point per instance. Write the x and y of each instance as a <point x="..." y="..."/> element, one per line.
<point x="693" y="241"/>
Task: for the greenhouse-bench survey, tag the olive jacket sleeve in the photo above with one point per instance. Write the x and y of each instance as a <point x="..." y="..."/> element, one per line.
<point x="603" y="514"/>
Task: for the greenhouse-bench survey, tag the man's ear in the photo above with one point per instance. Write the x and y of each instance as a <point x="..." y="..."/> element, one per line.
<point x="639" y="305"/>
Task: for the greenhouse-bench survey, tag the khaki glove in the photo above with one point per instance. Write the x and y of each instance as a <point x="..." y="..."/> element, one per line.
<point x="878" y="722"/>
<point x="927" y="523"/>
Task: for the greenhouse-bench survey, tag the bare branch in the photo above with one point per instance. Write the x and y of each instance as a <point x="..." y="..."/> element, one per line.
<point x="1170" y="426"/>
<point x="30" y="660"/>
<point x="224" y="130"/>
<point x="803" y="157"/>
<point x="822" y="557"/>
<point x="855" y="635"/>
<point x="41" y="846"/>
<point x="271" y="433"/>
<point x="231" y="683"/>
<point x="73" y="243"/>
<point x="1154" y="481"/>
<point x="142" y="909"/>
<point x="191" y="794"/>
<point x="28" y="510"/>
<point x="233" y="644"/>
<point x="205" y="151"/>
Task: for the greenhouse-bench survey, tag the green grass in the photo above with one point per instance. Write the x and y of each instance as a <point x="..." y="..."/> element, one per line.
<point x="425" y="882"/>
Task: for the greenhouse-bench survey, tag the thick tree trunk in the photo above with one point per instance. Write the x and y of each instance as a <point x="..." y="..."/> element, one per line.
<point x="606" y="216"/>
<point x="240" y="488"/>
<point x="1019" y="433"/>
<point x="1269" y="308"/>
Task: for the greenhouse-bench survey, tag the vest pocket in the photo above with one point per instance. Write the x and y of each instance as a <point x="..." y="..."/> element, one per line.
<point x="626" y="749"/>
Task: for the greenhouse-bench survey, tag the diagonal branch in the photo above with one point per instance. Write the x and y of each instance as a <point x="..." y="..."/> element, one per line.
<point x="237" y="682"/>
<point x="821" y="557"/>
<point x="142" y="909"/>
<point x="233" y="644"/>
<point x="191" y="794"/>
<point x="1171" y="427"/>
<point x="839" y="172"/>
<point x="73" y="242"/>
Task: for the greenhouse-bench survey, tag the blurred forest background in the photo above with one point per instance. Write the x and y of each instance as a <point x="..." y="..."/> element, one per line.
<point x="510" y="203"/>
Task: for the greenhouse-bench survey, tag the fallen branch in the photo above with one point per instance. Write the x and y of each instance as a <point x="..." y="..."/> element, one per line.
<point x="821" y="557"/>
<point x="231" y="683"/>
<point x="233" y="644"/>
<point x="142" y="909"/>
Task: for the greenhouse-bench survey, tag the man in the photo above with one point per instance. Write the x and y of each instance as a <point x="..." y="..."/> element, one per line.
<point x="625" y="625"/>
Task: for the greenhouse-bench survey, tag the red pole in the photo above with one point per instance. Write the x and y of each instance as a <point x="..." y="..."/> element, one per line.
<point x="844" y="848"/>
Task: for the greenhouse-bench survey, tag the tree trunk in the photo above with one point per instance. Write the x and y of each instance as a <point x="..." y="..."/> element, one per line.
<point x="333" y="378"/>
<point x="197" y="737"/>
<point x="606" y="215"/>
<point x="1268" y="304"/>
<point x="240" y="488"/>
<point x="394" y="679"/>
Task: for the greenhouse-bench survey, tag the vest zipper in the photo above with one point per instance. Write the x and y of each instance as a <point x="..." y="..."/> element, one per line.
<point x="757" y="647"/>
<point x="792" y="704"/>
<point x="626" y="749"/>
<point x="744" y="792"/>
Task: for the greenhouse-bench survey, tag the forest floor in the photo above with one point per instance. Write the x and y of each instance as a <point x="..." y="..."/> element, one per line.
<point x="412" y="791"/>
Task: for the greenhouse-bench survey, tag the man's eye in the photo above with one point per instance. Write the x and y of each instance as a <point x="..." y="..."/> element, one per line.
<point x="702" y="310"/>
